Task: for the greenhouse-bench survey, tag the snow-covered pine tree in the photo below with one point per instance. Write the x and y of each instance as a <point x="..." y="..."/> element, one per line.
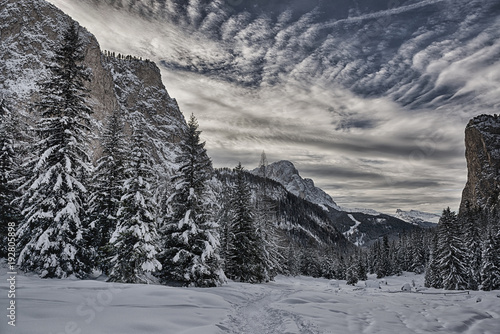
<point x="432" y="273"/>
<point x="451" y="254"/>
<point x="405" y="252"/>
<point x="310" y="264"/>
<point x="490" y="270"/>
<point x="191" y="240"/>
<point x="327" y="266"/>
<point x="135" y="240"/>
<point x="293" y="260"/>
<point x="384" y="267"/>
<point x="107" y="188"/>
<point x="418" y="253"/>
<point x="361" y="266"/>
<point x="223" y="218"/>
<point x="373" y="257"/>
<point x="9" y="164"/>
<point x="470" y="223"/>
<point x="54" y="197"/>
<point x="246" y="251"/>
<point x="396" y="258"/>
<point x="352" y="271"/>
<point x="341" y="268"/>
<point x="265" y="219"/>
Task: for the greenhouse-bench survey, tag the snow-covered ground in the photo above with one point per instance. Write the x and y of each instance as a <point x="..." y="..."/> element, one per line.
<point x="288" y="305"/>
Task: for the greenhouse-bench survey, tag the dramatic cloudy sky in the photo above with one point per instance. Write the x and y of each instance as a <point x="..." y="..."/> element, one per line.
<point x="369" y="98"/>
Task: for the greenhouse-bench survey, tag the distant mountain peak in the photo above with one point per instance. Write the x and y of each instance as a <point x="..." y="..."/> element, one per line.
<point x="360" y="226"/>
<point x="285" y="173"/>
<point x="419" y="218"/>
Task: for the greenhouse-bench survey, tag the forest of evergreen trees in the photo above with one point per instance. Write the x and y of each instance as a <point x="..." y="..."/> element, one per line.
<point x="75" y="215"/>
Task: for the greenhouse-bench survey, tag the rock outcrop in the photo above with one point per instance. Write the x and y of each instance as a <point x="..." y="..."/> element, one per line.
<point x="30" y="31"/>
<point x="285" y="173"/>
<point x="482" y="152"/>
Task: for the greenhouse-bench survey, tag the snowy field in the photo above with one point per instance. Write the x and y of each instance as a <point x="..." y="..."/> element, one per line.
<point x="288" y="305"/>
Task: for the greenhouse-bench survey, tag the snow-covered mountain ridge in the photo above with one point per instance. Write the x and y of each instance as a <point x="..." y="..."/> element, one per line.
<point x="423" y="219"/>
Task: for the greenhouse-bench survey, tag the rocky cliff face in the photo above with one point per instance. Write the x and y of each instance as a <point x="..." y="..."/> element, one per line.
<point x="29" y="32"/>
<point x="285" y="173"/>
<point x="482" y="151"/>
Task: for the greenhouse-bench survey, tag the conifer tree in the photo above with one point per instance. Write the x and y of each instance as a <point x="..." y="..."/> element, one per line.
<point x="191" y="236"/>
<point x="384" y="260"/>
<point x="473" y="245"/>
<point x="266" y="229"/>
<point x="135" y="240"/>
<point x="327" y="267"/>
<point x="361" y="266"/>
<point x="432" y="274"/>
<point x="352" y="272"/>
<point x="107" y="188"/>
<point x="246" y="252"/>
<point x="309" y="262"/>
<point x="418" y="253"/>
<point x="374" y="255"/>
<point x="55" y="194"/>
<point x="9" y="165"/>
<point x="451" y="253"/>
<point x="405" y="253"/>
<point x="490" y="270"/>
<point x="341" y="268"/>
<point x="223" y="219"/>
<point x="293" y="260"/>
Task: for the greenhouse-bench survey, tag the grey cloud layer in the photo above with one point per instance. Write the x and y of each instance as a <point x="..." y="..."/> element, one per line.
<point x="372" y="106"/>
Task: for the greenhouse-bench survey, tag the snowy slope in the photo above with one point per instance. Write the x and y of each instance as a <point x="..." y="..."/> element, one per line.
<point x="419" y="218"/>
<point x="289" y="305"/>
<point x="353" y="230"/>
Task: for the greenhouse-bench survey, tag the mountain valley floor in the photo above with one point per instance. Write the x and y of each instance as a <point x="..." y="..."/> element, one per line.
<point x="288" y="305"/>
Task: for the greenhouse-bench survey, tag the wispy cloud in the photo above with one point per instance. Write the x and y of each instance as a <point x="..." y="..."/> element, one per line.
<point x="371" y="106"/>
